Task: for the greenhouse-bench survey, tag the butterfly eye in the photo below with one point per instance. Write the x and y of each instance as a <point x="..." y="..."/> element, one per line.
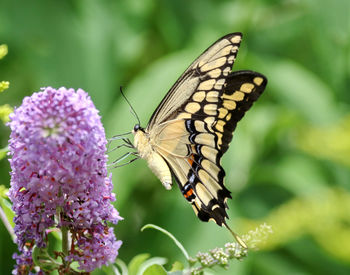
<point x="137" y="127"/>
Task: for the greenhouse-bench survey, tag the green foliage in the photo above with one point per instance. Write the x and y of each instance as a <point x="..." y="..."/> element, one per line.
<point x="217" y="257"/>
<point x="4" y="85"/>
<point x="3" y="50"/>
<point x="288" y="164"/>
<point x="155" y="270"/>
<point x="136" y="262"/>
<point x="5" y="109"/>
<point x="3" y="152"/>
<point x="329" y="210"/>
<point x="6" y="205"/>
<point x="330" y="142"/>
<point x="6" y="213"/>
<point x="42" y="258"/>
<point x="139" y="265"/>
<point x="177" y="266"/>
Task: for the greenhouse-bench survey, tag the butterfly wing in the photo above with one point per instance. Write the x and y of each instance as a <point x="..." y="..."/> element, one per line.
<point x="193" y="125"/>
<point x="193" y="142"/>
<point x="208" y="71"/>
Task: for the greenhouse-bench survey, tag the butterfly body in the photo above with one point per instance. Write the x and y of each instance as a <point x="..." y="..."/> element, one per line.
<point x="193" y="125"/>
<point x="156" y="163"/>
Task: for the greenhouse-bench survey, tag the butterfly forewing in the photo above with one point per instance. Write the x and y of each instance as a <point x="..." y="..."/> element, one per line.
<point x="193" y="125"/>
<point x="208" y="71"/>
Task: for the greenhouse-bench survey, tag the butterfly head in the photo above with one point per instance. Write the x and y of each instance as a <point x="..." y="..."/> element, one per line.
<point x="137" y="128"/>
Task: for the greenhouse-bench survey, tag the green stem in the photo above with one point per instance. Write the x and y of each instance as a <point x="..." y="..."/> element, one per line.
<point x="64" y="231"/>
<point x="171" y="236"/>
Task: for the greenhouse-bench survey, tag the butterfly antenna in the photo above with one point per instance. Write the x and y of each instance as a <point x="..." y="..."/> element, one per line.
<point x="132" y="109"/>
<point x="238" y="238"/>
<point x="120" y="136"/>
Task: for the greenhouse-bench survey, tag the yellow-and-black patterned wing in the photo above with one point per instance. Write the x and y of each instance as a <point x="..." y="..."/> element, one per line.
<point x="193" y="125"/>
<point x="208" y="71"/>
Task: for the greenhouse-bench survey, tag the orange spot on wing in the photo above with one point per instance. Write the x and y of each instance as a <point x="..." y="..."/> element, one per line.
<point x="190" y="159"/>
<point x="188" y="193"/>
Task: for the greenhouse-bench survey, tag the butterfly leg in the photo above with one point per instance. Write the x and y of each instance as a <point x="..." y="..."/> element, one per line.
<point x="118" y="160"/>
<point x="120" y="146"/>
<point x="130" y="161"/>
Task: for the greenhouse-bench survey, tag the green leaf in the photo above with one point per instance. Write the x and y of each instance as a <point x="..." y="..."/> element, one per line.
<point x="123" y="267"/>
<point x="136" y="262"/>
<point x="155" y="269"/>
<point x="178" y="272"/>
<point x="3" y="191"/>
<point x="179" y="245"/>
<point x="6" y="207"/>
<point x="42" y="259"/>
<point x="177" y="266"/>
<point x="3" y="152"/>
<point x="111" y="269"/>
<point x="75" y="266"/>
<point x="150" y="262"/>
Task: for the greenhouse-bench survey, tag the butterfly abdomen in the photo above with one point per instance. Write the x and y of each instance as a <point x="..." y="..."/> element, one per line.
<point x="155" y="162"/>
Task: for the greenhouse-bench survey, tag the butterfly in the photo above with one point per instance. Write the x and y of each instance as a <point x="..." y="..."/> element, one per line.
<point x="193" y="125"/>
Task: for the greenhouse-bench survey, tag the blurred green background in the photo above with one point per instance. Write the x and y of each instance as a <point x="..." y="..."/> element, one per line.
<point x="288" y="164"/>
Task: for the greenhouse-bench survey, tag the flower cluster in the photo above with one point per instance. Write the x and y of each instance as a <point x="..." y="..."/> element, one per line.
<point x="4" y="85"/>
<point x="256" y="237"/>
<point x="218" y="257"/>
<point x="221" y="256"/>
<point x="59" y="177"/>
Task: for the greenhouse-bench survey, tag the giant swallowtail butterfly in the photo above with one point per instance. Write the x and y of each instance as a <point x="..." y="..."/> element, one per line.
<point x="193" y="125"/>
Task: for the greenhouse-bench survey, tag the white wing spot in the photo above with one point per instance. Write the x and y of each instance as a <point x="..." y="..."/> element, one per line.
<point x="231" y="59"/>
<point x="199" y="96"/>
<point x="229" y="104"/>
<point x="247" y="87"/>
<point x="226" y="71"/>
<point x="219" y="83"/>
<point x="210" y="109"/>
<point x="192" y="107"/>
<point x="258" y="80"/>
<point x="212" y="96"/>
<point x="206" y="85"/>
<point x="214" y="73"/>
<point x="236" y="39"/>
<point x="214" y="64"/>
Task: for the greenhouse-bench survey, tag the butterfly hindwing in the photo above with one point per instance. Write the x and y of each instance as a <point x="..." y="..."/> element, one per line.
<point x="190" y="150"/>
<point x="241" y="89"/>
<point x="193" y="143"/>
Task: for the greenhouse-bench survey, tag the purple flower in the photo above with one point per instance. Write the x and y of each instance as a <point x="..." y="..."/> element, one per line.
<point x="58" y="165"/>
<point x="94" y="247"/>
